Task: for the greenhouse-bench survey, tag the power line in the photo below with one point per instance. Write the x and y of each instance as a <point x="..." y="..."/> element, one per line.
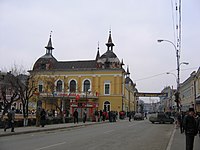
<point x="173" y="25"/>
<point x="152" y="76"/>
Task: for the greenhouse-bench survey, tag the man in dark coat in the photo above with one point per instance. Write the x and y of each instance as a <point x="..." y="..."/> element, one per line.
<point x="190" y="126"/>
<point x="75" y="115"/>
<point x="43" y="117"/>
<point x="129" y="116"/>
<point x="84" y="116"/>
<point x="180" y="121"/>
<point x="11" y="120"/>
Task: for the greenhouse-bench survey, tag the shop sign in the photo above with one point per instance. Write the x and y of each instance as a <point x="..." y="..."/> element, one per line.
<point x="74" y="104"/>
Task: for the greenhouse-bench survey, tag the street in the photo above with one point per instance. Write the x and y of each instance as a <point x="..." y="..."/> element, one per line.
<point x="139" y="135"/>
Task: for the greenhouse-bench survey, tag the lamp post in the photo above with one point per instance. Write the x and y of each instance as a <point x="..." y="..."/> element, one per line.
<point x="178" y="70"/>
<point x="129" y="97"/>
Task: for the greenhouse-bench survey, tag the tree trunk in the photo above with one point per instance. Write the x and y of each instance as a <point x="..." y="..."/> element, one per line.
<point x="25" y="114"/>
<point x="25" y="122"/>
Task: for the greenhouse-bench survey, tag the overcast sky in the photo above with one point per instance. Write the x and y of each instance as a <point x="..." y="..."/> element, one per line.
<point x="78" y="25"/>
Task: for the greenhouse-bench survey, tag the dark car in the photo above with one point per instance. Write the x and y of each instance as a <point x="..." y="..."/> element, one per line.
<point x="161" y="118"/>
<point x="138" y="116"/>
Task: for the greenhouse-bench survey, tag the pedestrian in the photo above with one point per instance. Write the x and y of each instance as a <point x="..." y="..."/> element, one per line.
<point x="129" y="116"/>
<point x="101" y="115"/>
<point x="145" y="115"/>
<point x="180" y="118"/>
<point x="110" y="116"/>
<point x="198" y="124"/>
<point x="75" y="115"/>
<point x="84" y="116"/>
<point x="43" y="117"/>
<point x="114" y="116"/>
<point x="104" y="115"/>
<point x="38" y="117"/>
<point x="11" y="120"/>
<point x="96" y="114"/>
<point x="190" y="126"/>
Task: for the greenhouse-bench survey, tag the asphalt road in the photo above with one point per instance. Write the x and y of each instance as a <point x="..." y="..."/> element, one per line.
<point x="123" y="135"/>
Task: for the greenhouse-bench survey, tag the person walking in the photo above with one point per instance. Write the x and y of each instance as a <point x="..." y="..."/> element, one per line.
<point x="190" y="126"/>
<point x="198" y="125"/>
<point x="180" y="118"/>
<point x="43" y="117"/>
<point x="75" y="115"/>
<point x="104" y="115"/>
<point x="96" y="114"/>
<point x="101" y="115"/>
<point x="11" y="120"/>
<point x="84" y="116"/>
<point x="129" y="116"/>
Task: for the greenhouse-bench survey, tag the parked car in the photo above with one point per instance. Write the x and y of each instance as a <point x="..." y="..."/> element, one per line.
<point x="161" y="118"/>
<point x="138" y="116"/>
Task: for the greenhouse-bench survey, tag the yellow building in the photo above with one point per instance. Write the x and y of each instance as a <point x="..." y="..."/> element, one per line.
<point x="98" y="84"/>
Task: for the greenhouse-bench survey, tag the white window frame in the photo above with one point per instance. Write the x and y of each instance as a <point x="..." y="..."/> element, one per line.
<point x="107" y="83"/>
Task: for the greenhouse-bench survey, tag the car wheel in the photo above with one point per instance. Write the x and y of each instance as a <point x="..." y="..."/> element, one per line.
<point x="152" y="121"/>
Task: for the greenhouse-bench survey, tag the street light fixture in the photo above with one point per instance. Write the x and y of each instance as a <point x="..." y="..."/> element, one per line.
<point x="178" y="69"/>
<point x="184" y="63"/>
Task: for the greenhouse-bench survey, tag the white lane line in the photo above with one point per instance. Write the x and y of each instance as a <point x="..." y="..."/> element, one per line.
<point x="131" y="125"/>
<point x="108" y="131"/>
<point x="171" y="140"/>
<point x="50" y="146"/>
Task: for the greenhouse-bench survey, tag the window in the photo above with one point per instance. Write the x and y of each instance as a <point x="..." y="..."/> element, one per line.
<point x="40" y="87"/>
<point x="107" y="88"/>
<point x="72" y="86"/>
<point x="43" y="66"/>
<point x="86" y="85"/>
<point x="106" y="106"/>
<point x="59" y="86"/>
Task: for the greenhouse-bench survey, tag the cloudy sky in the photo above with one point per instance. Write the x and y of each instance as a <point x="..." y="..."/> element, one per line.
<point x="78" y="25"/>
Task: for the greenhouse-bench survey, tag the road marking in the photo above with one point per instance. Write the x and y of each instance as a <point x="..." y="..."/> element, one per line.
<point x="108" y="131"/>
<point x="131" y="125"/>
<point x="171" y="140"/>
<point x="50" y="146"/>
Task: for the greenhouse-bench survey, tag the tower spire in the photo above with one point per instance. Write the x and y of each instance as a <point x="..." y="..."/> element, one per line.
<point x="49" y="46"/>
<point x="110" y="43"/>
<point x="98" y="54"/>
<point x="127" y="72"/>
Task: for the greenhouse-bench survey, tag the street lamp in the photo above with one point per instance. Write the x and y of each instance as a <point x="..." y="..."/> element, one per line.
<point x="178" y="70"/>
<point x="172" y="74"/>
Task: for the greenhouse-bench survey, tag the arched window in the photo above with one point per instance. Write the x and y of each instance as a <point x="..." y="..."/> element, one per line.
<point x="59" y="86"/>
<point x="86" y="86"/>
<point x="106" y="106"/>
<point x="72" y="86"/>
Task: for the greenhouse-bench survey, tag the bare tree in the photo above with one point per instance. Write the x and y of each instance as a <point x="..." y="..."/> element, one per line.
<point x="9" y="91"/>
<point x="14" y="87"/>
<point x="26" y="89"/>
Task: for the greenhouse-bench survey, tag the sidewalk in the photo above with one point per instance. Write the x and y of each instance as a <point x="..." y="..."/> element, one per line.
<point x="178" y="141"/>
<point x="32" y="129"/>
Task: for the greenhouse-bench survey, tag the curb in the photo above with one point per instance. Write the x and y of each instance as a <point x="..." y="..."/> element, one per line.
<point x="49" y="129"/>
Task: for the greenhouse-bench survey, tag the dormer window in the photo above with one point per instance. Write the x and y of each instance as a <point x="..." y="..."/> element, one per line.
<point x="43" y="66"/>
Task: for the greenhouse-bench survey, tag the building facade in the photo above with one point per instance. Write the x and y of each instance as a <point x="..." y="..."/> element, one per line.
<point x="197" y="90"/>
<point x="98" y="84"/>
<point x="190" y="92"/>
